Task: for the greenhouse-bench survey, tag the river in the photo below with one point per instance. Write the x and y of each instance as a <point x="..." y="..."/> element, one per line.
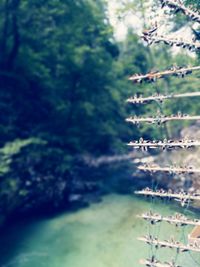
<point x="102" y="235"/>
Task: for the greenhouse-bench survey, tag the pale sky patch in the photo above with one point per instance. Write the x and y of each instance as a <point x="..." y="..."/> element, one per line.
<point x="134" y="21"/>
<point x="121" y="25"/>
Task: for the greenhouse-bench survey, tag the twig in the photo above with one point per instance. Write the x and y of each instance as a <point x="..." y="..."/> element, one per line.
<point x="169" y="169"/>
<point x="158" y="97"/>
<point x="182" y="196"/>
<point x="150" y="39"/>
<point x="165" y="144"/>
<point x="178" y="5"/>
<point x="170" y="244"/>
<point x="161" y="119"/>
<point x="177" y="219"/>
<point x="153" y="76"/>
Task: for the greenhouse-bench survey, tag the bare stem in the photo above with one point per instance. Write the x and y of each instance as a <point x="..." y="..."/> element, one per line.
<point x="169" y="244"/>
<point x="161" y="119"/>
<point x="169" y="169"/>
<point x="183" y="196"/>
<point x="178" y="5"/>
<point x="150" y="39"/>
<point x="177" y="219"/>
<point x="158" y="97"/>
<point x="153" y="76"/>
<point x="165" y="144"/>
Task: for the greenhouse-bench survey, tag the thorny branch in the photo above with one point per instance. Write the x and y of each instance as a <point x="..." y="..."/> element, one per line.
<point x="172" y="243"/>
<point x="160" y="119"/>
<point x="178" y="6"/>
<point x="183" y="197"/>
<point x="169" y="169"/>
<point x="154" y="38"/>
<point x="158" y="97"/>
<point x="173" y="71"/>
<point x="151" y="36"/>
<point x="165" y="144"/>
<point x="178" y="219"/>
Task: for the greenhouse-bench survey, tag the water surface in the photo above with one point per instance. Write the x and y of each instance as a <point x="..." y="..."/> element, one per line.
<point x="102" y="235"/>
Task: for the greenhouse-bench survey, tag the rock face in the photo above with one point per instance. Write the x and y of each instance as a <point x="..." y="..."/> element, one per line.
<point x="180" y="157"/>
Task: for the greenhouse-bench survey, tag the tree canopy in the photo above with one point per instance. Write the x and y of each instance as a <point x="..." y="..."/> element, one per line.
<point x="63" y="86"/>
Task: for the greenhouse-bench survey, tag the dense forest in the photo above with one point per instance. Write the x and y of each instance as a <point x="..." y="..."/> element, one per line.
<point x="63" y="85"/>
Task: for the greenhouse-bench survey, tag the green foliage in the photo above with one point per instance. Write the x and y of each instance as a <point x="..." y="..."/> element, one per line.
<point x="195" y="3"/>
<point x="63" y="85"/>
<point x="61" y="82"/>
<point x="11" y="149"/>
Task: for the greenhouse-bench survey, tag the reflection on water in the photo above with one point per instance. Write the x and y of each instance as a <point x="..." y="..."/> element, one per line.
<point x="103" y="235"/>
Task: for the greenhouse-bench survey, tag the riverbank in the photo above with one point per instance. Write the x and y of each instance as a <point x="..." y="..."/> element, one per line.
<point x="90" y="179"/>
<point x="87" y="183"/>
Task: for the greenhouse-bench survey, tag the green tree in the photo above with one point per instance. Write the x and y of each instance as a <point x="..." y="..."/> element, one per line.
<point x="61" y="83"/>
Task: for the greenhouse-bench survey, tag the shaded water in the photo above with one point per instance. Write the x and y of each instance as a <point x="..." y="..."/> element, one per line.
<point x="103" y="235"/>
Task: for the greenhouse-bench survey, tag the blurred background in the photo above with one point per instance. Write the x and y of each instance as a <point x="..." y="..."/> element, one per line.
<point x="64" y="68"/>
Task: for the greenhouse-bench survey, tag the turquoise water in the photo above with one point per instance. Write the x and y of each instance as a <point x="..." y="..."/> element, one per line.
<point x="102" y="235"/>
